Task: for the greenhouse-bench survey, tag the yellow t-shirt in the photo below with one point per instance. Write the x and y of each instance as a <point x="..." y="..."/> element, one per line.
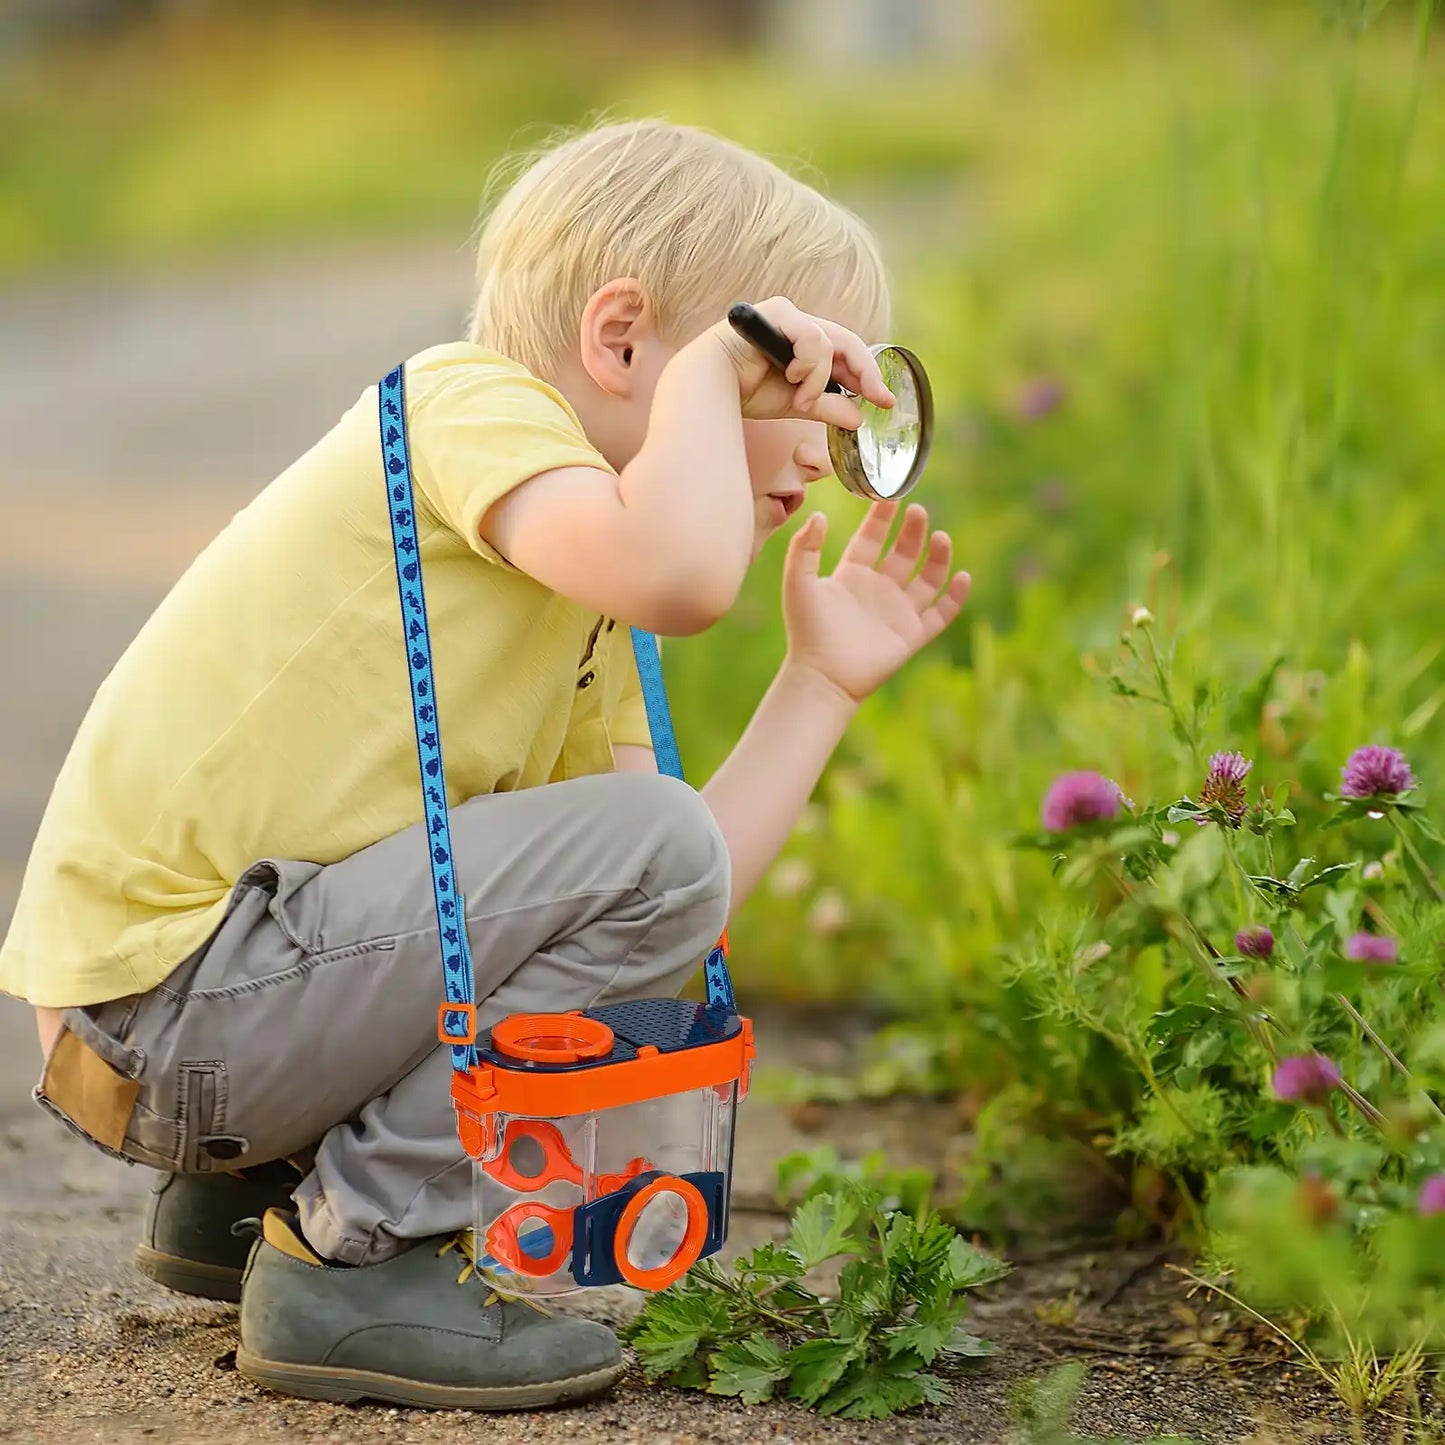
<point x="263" y="711"/>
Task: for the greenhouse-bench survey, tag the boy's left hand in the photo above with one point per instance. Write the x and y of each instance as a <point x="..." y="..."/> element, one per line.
<point x="856" y="627"/>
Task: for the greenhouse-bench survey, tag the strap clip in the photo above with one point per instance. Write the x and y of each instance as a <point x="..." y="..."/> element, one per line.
<point x="468" y="1012"/>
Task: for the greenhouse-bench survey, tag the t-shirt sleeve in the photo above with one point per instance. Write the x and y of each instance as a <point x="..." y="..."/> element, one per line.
<point x="481" y="429"/>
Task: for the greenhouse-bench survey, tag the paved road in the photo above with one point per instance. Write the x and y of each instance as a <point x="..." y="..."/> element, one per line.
<point x="138" y="416"/>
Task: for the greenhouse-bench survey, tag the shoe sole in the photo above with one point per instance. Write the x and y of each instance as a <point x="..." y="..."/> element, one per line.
<point x="189" y="1276"/>
<point x="344" y="1387"/>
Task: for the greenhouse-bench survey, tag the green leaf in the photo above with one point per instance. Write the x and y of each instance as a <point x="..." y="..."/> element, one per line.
<point x="800" y="1169"/>
<point x="792" y="1296"/>
<point x="1335" y="870"/>
<point x="1247" y="710"/>
<point x="1279" y="887"/>
<point x="1350" y="811"/>
<point x="690" y="1375"/>
<point x="675" y="1326"/>
<point x="817" y="1365"/>
<point x="1206" y="1048"/>
<point x="881" y="1388"/>
<point x="968" y="1347"/>
<point x="1043" y="1406"/>
<point x="1322" y="941"/>
<point x="1194" y="867"/>
<point x="769" y="1261"/>
<point x="865" y="1287"/>
<point x="929" y="1331"/>
<point x="935" y="1392"/>
<point x="969" y="1267"/>
<point x="749" y="1369"/>
<point x="822" y="1228"/>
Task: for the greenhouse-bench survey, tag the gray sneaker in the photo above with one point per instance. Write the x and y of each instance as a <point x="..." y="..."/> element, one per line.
<point x="413" y="1330"/>
<point x="187" y="1243"/>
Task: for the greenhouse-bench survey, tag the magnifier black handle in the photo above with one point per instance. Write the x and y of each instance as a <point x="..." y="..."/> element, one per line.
<point x="753" y="326"/>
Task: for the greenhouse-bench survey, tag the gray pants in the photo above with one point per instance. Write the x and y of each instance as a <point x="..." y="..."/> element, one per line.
<point x="311" y="1013"/>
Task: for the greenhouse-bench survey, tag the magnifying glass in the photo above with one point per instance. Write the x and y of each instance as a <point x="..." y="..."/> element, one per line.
<point x="884" y="459"/>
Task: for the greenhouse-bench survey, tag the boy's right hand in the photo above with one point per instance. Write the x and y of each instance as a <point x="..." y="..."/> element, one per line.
<point x="822" y="352"/>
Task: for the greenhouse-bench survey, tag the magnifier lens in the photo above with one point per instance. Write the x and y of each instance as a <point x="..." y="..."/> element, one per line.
<point x="888" y="439"/>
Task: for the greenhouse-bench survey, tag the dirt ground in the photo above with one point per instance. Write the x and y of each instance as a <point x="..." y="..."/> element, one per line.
<point x="92" y="1352"/>
<point x="139" y="414"/>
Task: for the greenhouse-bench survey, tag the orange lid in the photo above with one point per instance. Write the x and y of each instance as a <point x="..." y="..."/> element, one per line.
<point x="488" y="1089"/>
<point x="552" y="1038"/>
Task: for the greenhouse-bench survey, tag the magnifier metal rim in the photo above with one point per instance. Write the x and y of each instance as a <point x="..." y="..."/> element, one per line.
<point x="843" y="444"/>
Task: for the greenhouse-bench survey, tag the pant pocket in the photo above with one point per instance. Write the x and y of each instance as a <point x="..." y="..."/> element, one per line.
<point x="204" y="1146"/>
<point x="88" y="1093"/>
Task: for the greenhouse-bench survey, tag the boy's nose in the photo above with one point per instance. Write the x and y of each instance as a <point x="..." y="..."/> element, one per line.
<point x="811" y="459"/>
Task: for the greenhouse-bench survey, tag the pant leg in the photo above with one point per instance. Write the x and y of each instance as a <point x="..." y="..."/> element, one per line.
<point x="313" y="1012"/>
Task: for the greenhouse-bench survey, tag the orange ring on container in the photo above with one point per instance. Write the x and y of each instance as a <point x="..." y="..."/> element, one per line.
<point x="504" y="1241"/>
<point x="693" y="1239"/>
<point x="558" y="1166"/>
<point x="611" y="1183"/>
<point x="552" y="1038"/>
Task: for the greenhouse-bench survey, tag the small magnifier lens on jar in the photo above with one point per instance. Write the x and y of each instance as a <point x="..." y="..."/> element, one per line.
<point x="884" y="459"/>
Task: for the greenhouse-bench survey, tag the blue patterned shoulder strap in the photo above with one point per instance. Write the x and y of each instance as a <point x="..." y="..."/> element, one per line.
<point x="458" y="1013"/>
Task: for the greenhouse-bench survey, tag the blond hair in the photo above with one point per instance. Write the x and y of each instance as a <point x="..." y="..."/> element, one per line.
<point x="699" y="221"/>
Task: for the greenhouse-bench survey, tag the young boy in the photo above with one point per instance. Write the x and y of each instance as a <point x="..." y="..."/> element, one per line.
<point x="226" y="925"/>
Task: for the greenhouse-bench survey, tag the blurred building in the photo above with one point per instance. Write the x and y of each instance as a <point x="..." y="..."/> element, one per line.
<point x="829" y="31"/>
<point x="862" y="32"/>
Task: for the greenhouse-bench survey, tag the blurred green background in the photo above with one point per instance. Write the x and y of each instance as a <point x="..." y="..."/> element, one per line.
<point x="1175" y="268"/>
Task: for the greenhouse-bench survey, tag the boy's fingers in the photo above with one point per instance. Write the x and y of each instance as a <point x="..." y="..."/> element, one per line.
<point x="937" y="617"/>
<point x="866" y="545"/>
<point x="805" y="551"/>
<point x="924" y="588"/>
<point x="823" y="350"/>
<point x="835" y="410"/>
<point x="856" y="366"/>
<point x="907" y="547"/>
<point x="812" y="366"/>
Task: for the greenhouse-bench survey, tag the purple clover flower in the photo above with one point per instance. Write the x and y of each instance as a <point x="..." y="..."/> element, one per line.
<point x="1374" y="772"/>
<point x="1432" y="1195"/>
<point x="1256" y="941"/>
<point x="1053" y="497"/>
<point x="1039" y="398"/>
<point x="1306" y="1079"/>
<point x="1224" y="786"/>
<point x="1372" y="948"/>
<point x="1076" y="798"/>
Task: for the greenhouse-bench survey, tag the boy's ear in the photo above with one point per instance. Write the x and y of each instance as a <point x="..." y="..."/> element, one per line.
<point x="617" y="319"/>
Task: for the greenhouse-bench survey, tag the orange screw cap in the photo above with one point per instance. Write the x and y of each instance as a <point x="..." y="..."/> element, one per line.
<point x="552" y="1038"/>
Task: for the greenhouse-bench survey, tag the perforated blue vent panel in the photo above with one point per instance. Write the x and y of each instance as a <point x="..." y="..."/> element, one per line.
<point x="668" y="1024"/>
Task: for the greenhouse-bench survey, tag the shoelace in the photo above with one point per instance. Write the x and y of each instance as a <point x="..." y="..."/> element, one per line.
<point x="464" y="1242"/>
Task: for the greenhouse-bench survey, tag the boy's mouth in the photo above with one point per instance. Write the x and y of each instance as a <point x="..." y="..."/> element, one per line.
<point x="788" y="501"/>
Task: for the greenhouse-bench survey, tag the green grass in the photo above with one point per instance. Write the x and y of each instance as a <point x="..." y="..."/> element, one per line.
<point x="1222" y="242"/>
